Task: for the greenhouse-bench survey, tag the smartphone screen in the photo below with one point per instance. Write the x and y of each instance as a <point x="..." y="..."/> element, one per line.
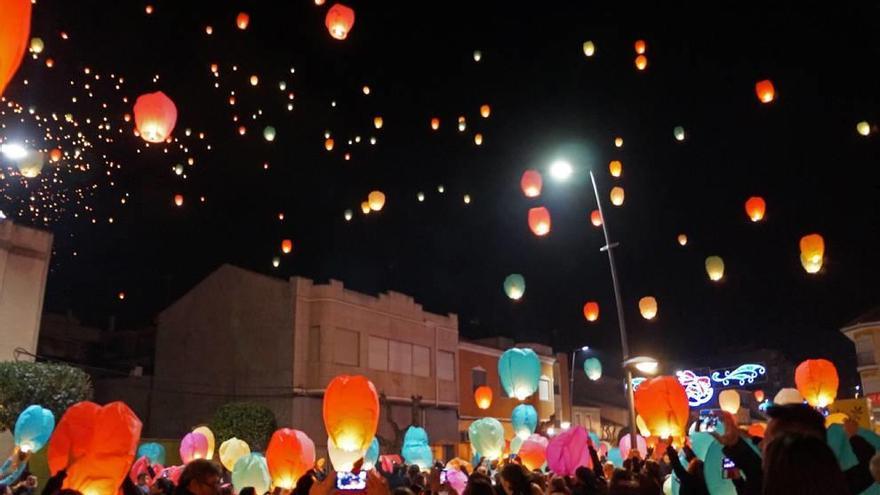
<point x="727" y="468"/>
<point x="442" y="476"/>
<point x="350" y="481"/>
<point x="709" y="420"/>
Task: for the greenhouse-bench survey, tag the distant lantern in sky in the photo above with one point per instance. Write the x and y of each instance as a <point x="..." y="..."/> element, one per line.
<point x="478" y="55"/>
<point x="276" y="261"/>
<point x="593" y="368"/>
<point x="366" y="89"/>
<point x="817" y="381"/>
<point x="485" y="111"/>
<point x="420" y="197"/>
<point x="596" y="218"/>
<point x="376" y="200"/>
<point x="618" y="142"/>
<point x="863" y="128"/>
<point x="678" y="132"/>
<point x="435" y="123"/>
<point x="812" y="252"/>
<point x="209" y="30"/>
<point x="682" y="239"/>
<point x="640" y="46"/>
<point x="515" y="286"/>
<point x="483" y="396"/>
<point x="286" y="246"/>
<point x="339" y="21"/>
<point x="55" y="155"/>
<point x="616" y="168"/>
<point x="37" y="45"/>
<point x="478" y="139"/>
<point x="531" y="183"/>
<point x="591" y="311"/>
<point x="254" y="80"/>
<point x="617" y="196"/>
<point x="441" y="189"/>
<point x="755" y="208"/>
<point x="765" y="91"/>
<point x="589" y="48"/>
<point x="15" y="25"/>
<point x="715" y="268"/>
<point x="648" y="307"/>
<point x="178" y="199"/>
<point x="462" y="125"/>
<point x="467" y="199"/>
<point x="378" y="122"/>
<point x="641" y="62"/>
<point x="328" y="144"/>
<point x="539" y="220"/>
<point x="242" y="20"/>
<point x="269" y="133"/>
<point x="365" y="207"/>
<point x="155" y="116"/>
<point x="347" y="214"/>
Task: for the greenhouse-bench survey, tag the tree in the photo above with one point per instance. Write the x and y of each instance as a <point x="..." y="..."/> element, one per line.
<point x="253" y="423"/>
<point x="53" y="386"/>
<point x="395" y="443"/>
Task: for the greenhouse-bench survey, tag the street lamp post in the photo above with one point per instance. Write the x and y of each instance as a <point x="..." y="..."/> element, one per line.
<point x="571" y="382"/>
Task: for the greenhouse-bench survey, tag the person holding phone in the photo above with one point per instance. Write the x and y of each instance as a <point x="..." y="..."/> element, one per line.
<point x="692" y="480"/>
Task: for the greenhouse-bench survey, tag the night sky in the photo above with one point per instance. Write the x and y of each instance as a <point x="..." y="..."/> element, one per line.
<point x="801" y="153"/>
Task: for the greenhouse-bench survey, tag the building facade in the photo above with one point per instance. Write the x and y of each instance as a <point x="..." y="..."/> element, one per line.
<point x="864" y="332"/>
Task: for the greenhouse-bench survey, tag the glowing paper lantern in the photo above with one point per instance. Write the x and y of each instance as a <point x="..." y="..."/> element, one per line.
<point x="31" y="165"/>
<point x="625" y="446"/>
<point x="759" y="395"/>
<point x="765" y="91"/>
<point x="178" y="199"/>
<point x="339" y="21"/>
<point x="519" y="371"/>
<point x="435" y="123"/>
<point x="817" y="381"/>
<point x="589" y="48"/>
<point x="591" y="311"/>
<point x="863" y="128"/>
<point x="596" y="218"/>
<point x="514" y="286"/>
<point x="376" y="200"/>
<point x="33" y="428"/>
<point x="618" y="142"/>
<point x="483" y="396"/>
<point x="254" y="80"/>
<point x="37" y="45"/>
<point x="642" y="427"/>
<point x="485" y="111"/>
<point x="416" y="449"/>
<point x="729" y="401"/>
<point x="640" y="46"/>
<point x="682" y="239"/>
<point x="715" y="268"/>
<point x="347" y="214"/>
<point x="242" y="20"/>
<point x="593" y="368"/>
<point x="531" y="183"/>
<point x="95" y="445"/>
<point x="567" y="451"/>
<point x="372" y="455"/>
<point x="641" y="62"/>
<point x="351" y="416"/>
<point x="209" y="436"/>
<point x="648" y="307"/>
<point x="788" y="396"/>
<point x="55" y="155"/>
<point x="478" y="139"/>
<point x="663" y="404"/>
<point x="15" y="25"/>
<point x="251" y="470"/>
<point x="539" y="220"/>
<point x="286" y="246"/>
<point x="757" y="430"/>
<point x="365" y="207"/>
<point x="153" y="451"/>
<point x="193" y="446"/>
<point x="524" y="420"/>
<point x="487" y="438"/>
<point x="478" y="55"/>
<point x="533" y="451"/>
<point x="615" y="167"/>
<point x="290" y="454"/>
<point x="328" y="144"/>
<point x="269" y="133"/>
<point x="155" y="116"/>
<point x="617" y="196"/>
<point x="231" y="451"/>
<point x="755" y="208"/>
<point x="678" y="132"/>
<point x="812" y="252"/>
<point x="378" y="122"/>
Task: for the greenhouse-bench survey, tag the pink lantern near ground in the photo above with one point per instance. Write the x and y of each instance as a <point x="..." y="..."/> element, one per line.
<point x="142" y="466"/>
<point x="568" y="451"/>
<point x="193" y="446"/>
<point x="172" y="473"/>
<point x="457" y="480"/>
<point x="626" y="446"/>
<point x="533" y="452"/>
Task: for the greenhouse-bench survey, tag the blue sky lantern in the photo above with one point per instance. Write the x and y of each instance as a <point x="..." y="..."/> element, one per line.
<point x="519" y="370"/>
<point x="593" y="368"/>
<point x="487" y="438"/>
<point x="416" y="449"/>
<point x="372" y="455"/>
<point x="515" y="286"/>
<point x="33" y="428"/>
<point x="524" y="420"/>
<point x="154" y="451"/>
<point x="614" y="457"/>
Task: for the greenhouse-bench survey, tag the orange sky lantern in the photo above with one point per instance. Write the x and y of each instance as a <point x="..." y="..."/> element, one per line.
<point x="328" y="144"/>
<point x="817" y="381"/>
<point x="531" y="183"/>
<point x="15" y="26"/>
<point x="55" y="155"/>
<point x="485" y="110"/>
<point x="596" y="218"/>
<point x="286" y="246"/>
<point x="765" y="91"/>
<point x="812" y="252"/>
<point x="290" y="454"/>
<point x="616" y="168"/>
<point x="339" y="21"/>
<point x="641" y="62"/>
<point x="178" y="199"/>
<point x="759" y="395"/>
<point x="663" y="405"/>
<point x="483" y="396"/>
<point x="648" y="307"/>
<point x="376" y="200"/>
<point x="682" y="239"/>
<point x="435" y="123"/>
<point x="242" y="20"/>
<point x="155" y="116"/>
<point x="351" y="413"/>
<point x="755" y="208"/>
<point x="591" y="311"/>
<point x="640" y="46"/>
<point x="539" y="221"/>
<point x="378" y="122"/>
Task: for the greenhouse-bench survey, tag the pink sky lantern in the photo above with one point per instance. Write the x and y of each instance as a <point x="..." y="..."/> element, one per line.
<point x="626" y="446"/>
<point x="568" y="451"/>
<point x="193" y="446"/>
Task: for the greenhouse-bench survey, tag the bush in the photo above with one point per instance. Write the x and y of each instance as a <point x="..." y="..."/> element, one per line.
<point x="53" y="386"/>
<point x="250" y="422"/>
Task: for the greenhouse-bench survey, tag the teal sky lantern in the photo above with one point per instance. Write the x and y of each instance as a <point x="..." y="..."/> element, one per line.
<point x="269" y="133"/>
<point x="487" y="438"/>
<point x="524" y="420"/>
<point x="372" y="455"/>
<point x="252" y="470"/>
<point x="515" y="286"/>
<point x="593" y="368"/>
<point x="519" y="370"/>
<point x="152" y="450"/>
<point x="416" y="449"/>
<point x="33" y="428"/>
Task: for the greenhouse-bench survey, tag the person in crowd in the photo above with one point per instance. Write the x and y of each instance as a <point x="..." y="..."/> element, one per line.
<point x="199" y="477"/>
<point x="515" y="480"/>
<point x="558" y="487"/>
<point x="4" y="489"/>
<point x="691" y="479"/>
<point x="587" y="483"/>
<point x="623" y="483"/>
<point x="304" y="483"/>
<point x="608" y="471"/>
<point x="26" y="487"/>
<point x="650" y="480"/>
<point x="478" y="484"/>
<point x="801" y="464"/>
<point x="142" y="484"/>
<point x="248" y="490"/>
<point x="874" y="467"/>
<point x="162" y="486"/>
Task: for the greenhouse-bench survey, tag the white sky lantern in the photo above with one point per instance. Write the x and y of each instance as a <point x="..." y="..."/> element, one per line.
<point x="589" y="48"/>
<point x="678" y="132"/>
<point x="788" y="396"/>
<point x="478" y="55"/>
<point x="863" y="128"/>
<point x="729" y="401"/>
<point x="420" y="196"/>
<point x="347" y="215"/>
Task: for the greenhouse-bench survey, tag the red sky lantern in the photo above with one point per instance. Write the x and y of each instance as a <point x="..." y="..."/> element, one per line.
<point x="539" y="221"/>
<point x="765" y="91"/>
<point x="591" y="311"/>
<point x="339" y="21"/>
<point x="286" y="246"/>
<point x="755" y="208"/>
<point x="483" y="396"/>
<point x="817" y="381"/>
<point x="15" y="26"/>
<point x="531" y="183"/>
<point x="155" y="116"/>
<point x="759" y="395"/>
<point x="290" y="454"/>
<point x="596" y="218"/>
<point x="242" y="20"/>
<point x="641" y="46"/>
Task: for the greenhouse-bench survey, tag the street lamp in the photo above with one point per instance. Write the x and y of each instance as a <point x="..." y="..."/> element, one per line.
<point x="571" y="381"/>
<point x="13" y="151"/>
<point x="561" y="170"/>
<point x="645" y="364"/>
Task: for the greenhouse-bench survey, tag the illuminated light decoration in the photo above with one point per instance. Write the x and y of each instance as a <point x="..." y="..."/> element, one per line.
<point x="328" y="144"/>
<point x="339" y="21"/>
<point x="365" y="207"/>
<point x="483" y="397"/>
<point x="759" y="395"/>
<point x="729" y="401"/>
<point x="231" y="451"/>
<point x="765" y="91"/>
<point x="478" y="55"/>
<point x="678" y="132"/>
<point x="539" y="221"/>
<point x="715" y="268"/>
<point x="863" y="128"/>
<point x="618" y="142"/>
<point x="269" y="133"/>
<point x="178" y="199"/>
<point x="347" y="214"/>
<point x="698" y="389"/>
<point x="155" y="116"/>
<point x="286" y="246"/>
<point x="788" y="396"/>
<point x="615" y="168"/>
<point x="589" y="48"/>
<point x="15" y="25"/>
<point x="596" y="218"/>
<point x="648" y="307"/>
<point x="515" y="286"/>
<point x="376" y="200"/>
<point x="641" y="62"/>
<point x="755" y="208"/>
<point x="533" y="451"/>
<point x="636" y="382"/>
<point x="743" y="374"/>
<point x="242" y="20"/>
<point x="378" y="122"/>
<point x="531" y="183"/>
<point x="617" y="196"/>
<point x="593" y="368"/>
<point x="487" y="438"/>
<point x="519" y="370"/>
<point x="812" y="252"/>
<point x="485" y="111"/>
<point x="640" y="47"/>
<point x="663" y="404"/>
<point x="682" y="239"/>
<point x="289" y="455"/>
<point x="591" y="311"/>
<point x="435" y="123"/>
<point x="478" y="139"/>
<point x="524" y="420"/>
<point x="817" y="381"/>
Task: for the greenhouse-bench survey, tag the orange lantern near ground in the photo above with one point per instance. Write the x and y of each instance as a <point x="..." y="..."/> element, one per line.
<point x="485" y="111"/>
<point x="591" y="311"/>
<point x="648" y="307"/>
<point x="539" y="221"/>
<point x="755" y="208"/>
<point x="483" y="396"/>
<point x="616" y="168"/>
<point x="617" y="196"/>
<point x="435" y="123"/>
<point x="15" y="27"/>
<point x="531" y="183"/>
<point x="596" y="218"/>
<point x="641" y="46"/>
<point x="765" y="91"/>
<point x="663" y="404"/>
<point x="641" y="62"/>
<point x="155" y="116"/>
<point x="339" y="21"/>
<point x="290" y="454"/>
<point x="242" y="20"/>
<point x="812" y="252"/>
<point x="351" y="413"/>
<point x="759" y="396"/>
<point x="817" y="381"/>
<point x="286" y="246"/>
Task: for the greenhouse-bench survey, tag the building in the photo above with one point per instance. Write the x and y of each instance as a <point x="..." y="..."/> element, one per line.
<point x="24" y="264"/>
<point x="864" y="332"/>
<point x="242" y="336"/>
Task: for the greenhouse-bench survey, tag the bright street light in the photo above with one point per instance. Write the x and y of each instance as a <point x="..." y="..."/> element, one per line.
<point x="13" y="151"/>
<point x="644" y="364"/>
<point x="560" y="170"/>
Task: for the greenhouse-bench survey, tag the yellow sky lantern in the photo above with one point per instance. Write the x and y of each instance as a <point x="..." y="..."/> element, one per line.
<point x="377" y="121"/>
<point x="589" y="48"/>
<point x="617" y="196"/>
<point x="682" y="239"/>
<point x="641" y="62"/>
<point x="485" y="110"/>
<point x="863" y="128"/>
<point x="715" y="268"/>
<point x="729" y="401"/>
<point x="812" y="252"/>
<point x="376" y="200"/>
<point x="616" y="168"/>
<point x="648" y="307"/>
<point x="478" y="139"/>
<point x="365" y="207"/>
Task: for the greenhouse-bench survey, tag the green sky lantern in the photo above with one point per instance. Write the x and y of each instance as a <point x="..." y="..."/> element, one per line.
<point x="487" y="438"/>
<point x="593" y="368"/>
<point x="678" y="132"/>
<point x="269" y="133"/>
<point x="515" y="286"/>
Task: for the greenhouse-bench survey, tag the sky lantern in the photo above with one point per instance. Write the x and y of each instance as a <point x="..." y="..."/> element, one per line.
<point x="682" y="239"/>
<point x="276" y="261"/>
<point x="155" y="452"/>
<point x="765" y="91"/>
<point x="372" y="455"/>
<point x="251" y="470"/>
<point x="589" y="48"/>
<point x="757" y="430"/>
<point x="648" y="307"/>
<point x="788" y="396"/>
<point x="209" y="436"/>
<point x="286" y="246"/>
<point x="641" y="62"/>
<point x="435" y="123"/>
<point x="33" y="428"/>
<point x="524" y="420"/>
<point x="254" y="80"/>
<point x="640" y="47"/>
<point x="155" y="116"/>
<point x="678" y="132"/>
<point x="533" y="452"/>
<point x="416" y="450"/>
<point x="715" y="268"/>
<point x="231" y="451"/>
<point x="339" y="21"/>
<point x="539" y="220"/>
<point x="376" y="200"/>
<point x="514" y="286"/>
<point x="729" y="401"/>
<point x="290" y="454"/>
<point x="478" y="139"/>
<point x="663" y="404"/>
<point x="55" y="155"/>
<point x="178" y="199"/>
<point x="812" y="252"/>
<point x="37" y="46"/>
<point x="242" y="20"/>
<point x="591" y="311"/>
<point x="593" y="368"/>
<point x="617" y="196"/>
<point x="478" y="55"/>
<point x="483" y="396"/>
<point x="485" y="111"/>
<point x="755" y="208"/>
<point x="519" y="370"/>
<point x="618" y="142"/>
<point x="365" y="207"/>
<point x="567" y="451"/>
<point x="15" y="26"/>
<point x="351" y="417"/>
<point x="596" y="218"/>
<point x="817" y="381"/>
<point x="531" y="183"/>
<point x="487" y="438"/>
<point x="328" y="144"/>
<point x="31" y="164"/>
<point x="377" y="122"/>
<point x="269" y="133"/>
<point x="625" y="446"/>
<point x="616" y="168"/>
<point x="193" y="446"/>
<point x="759" y="395"/>
<point x="863" y="128"/>
<point x="462" y="124"/>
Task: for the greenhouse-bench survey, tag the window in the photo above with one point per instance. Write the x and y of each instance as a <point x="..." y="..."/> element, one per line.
<point x="421" y="360"/>
<point x="378" y="354"/>
<point x="478" y="377"/>
<point x="865" y="351"/>
<point x="400" y="357"/>
<point x="544" y="388"/>
<point x="346" y="347"/>
<point x="446" y="366"/>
